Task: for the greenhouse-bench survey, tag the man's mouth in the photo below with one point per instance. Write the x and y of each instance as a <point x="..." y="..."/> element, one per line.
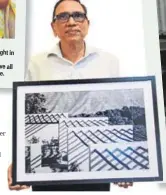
<point x="72" y="31"/>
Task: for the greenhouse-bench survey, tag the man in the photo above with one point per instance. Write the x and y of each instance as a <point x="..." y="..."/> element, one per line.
<point x="71" y="59"/>
<point x="7" y="19"/>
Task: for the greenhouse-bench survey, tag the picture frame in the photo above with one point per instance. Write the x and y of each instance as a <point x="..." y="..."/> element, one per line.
<point x="67" y="132"/>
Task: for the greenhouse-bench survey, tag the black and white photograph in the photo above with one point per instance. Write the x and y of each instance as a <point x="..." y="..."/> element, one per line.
<point x="41" y="134"/>
<point x="74" y="130"/>
<point x="161" y="11"/>
<point x="121" y="107"/>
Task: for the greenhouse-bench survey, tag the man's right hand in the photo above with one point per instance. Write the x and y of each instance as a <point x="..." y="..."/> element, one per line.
<point x="16" y="187"/>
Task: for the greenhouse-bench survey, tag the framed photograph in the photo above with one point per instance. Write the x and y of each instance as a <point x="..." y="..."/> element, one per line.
<point x="86" y="131"/>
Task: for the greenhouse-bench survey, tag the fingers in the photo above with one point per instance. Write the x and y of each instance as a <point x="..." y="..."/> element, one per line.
<point x="16" y="187"/>
<point x="24" y="187"/>
<point x="10" y="175"/>
<point x="124" y="184"/>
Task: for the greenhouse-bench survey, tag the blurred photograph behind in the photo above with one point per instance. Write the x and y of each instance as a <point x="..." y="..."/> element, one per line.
<point x="161" y="7"/>
<point x="7" y="19"/>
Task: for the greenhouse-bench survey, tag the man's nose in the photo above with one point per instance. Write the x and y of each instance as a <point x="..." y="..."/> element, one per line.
<point x="71" y="20"/>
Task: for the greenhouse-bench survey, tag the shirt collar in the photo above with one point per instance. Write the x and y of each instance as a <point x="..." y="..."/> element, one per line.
<point x="57" y="51"/>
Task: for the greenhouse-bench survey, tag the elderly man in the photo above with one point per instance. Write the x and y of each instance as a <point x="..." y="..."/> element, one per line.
<point x="71" y="58"/>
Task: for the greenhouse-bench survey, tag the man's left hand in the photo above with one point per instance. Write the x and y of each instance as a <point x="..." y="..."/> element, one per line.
<point x="124" y="184"/>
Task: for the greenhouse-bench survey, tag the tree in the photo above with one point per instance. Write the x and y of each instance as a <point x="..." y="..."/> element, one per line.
<point x="34" y="103"/>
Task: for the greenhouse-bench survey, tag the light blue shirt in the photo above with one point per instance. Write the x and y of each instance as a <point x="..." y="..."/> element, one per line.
<point x="52" y="66"/>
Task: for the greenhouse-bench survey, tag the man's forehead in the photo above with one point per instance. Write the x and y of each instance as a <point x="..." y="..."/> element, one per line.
<point x="69" y="6"/>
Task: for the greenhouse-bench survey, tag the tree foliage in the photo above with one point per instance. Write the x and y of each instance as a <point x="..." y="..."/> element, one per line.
<point x="34" y="103"/>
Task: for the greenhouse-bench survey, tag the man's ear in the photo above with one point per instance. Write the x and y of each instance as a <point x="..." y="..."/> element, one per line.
<point x="53" y="28"/>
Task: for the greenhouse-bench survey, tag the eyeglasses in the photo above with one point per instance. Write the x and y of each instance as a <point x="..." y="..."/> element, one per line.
<point x="65" y="16"/>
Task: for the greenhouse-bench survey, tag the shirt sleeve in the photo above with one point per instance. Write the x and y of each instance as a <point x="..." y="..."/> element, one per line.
<point x="27" y="75"/>
<point x="31" y="73"/>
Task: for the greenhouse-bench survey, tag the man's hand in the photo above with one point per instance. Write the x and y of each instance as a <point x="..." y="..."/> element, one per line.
<point x="16" y="187"/>
<point x="124" y="184"/>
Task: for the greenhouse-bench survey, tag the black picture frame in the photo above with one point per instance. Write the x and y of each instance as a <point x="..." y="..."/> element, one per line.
<point x="130" y="81"/>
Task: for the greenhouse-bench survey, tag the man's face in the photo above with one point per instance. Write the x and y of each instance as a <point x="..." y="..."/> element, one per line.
<point x="70" y="30"/>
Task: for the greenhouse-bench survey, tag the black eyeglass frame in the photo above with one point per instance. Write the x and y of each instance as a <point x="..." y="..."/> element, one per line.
<point x="70" y="15"/>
